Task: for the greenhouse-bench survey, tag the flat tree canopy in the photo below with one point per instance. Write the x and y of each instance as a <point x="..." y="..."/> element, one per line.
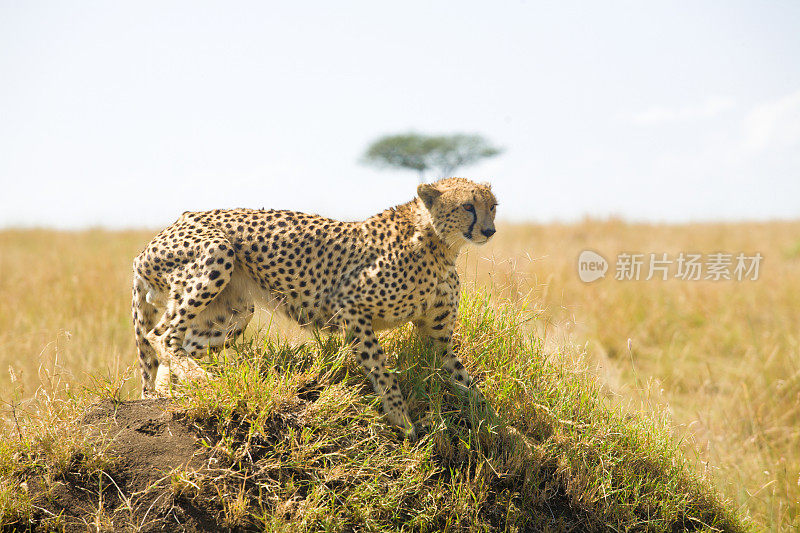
<point x="419" y="152"/>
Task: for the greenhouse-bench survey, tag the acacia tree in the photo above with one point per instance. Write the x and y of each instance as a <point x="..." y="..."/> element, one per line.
<point x="419" y="152"/>
<point x="457" y="151"/>
<point x="409" y="151"/>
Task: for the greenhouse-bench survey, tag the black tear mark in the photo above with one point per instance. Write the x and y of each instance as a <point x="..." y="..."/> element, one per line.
<point x="474" y="220"/>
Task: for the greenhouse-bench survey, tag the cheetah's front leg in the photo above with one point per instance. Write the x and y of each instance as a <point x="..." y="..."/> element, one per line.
<point x="373" y="360"/>
<point x="438" y="325"/>
<point x="438" y="328"/>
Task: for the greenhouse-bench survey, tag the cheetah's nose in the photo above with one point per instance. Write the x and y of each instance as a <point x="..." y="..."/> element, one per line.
<point x="488" y="232"/>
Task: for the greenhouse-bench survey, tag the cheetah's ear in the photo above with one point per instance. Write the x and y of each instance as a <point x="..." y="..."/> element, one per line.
<point x="428" y="194"/>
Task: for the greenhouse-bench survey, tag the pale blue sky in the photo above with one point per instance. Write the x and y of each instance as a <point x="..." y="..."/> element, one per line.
<point x="128" y="113"/>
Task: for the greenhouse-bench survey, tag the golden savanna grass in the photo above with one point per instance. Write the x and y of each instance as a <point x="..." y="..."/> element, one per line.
<point x="720" y="359"/>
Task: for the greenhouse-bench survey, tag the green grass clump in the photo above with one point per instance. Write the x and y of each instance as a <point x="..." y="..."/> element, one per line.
<point x="292" y="439"/>
<point x="45" y="445"/>
<point x="305" y="447"/>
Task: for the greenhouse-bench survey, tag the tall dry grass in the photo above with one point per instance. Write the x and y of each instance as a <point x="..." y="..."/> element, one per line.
<point x="721" y="357"/>
<point x="64" y="303"/>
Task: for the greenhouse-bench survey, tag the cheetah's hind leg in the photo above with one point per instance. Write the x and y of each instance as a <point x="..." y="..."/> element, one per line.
<point x="193" y="286"/>
<point x="224" y="319"/>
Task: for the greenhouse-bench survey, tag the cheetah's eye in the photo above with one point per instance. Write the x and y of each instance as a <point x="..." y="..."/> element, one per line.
<point x="469" y="207"/>
<point x="493" y="206"/>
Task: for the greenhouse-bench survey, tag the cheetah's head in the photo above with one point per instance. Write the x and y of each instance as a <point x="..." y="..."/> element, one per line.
<point x="461" y="210"/>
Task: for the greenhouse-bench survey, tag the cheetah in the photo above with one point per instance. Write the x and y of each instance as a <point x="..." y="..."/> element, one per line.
<point x="195" y="285"/>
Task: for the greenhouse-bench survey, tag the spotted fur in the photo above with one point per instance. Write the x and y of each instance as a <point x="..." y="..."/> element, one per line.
<point x="196" y="283"/>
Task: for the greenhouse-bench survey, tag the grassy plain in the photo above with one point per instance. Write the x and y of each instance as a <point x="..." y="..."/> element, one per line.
<point x="720" y="360"/>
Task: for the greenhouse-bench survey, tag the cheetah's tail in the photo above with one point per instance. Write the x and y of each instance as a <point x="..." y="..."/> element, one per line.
<point x="143" y="321"/>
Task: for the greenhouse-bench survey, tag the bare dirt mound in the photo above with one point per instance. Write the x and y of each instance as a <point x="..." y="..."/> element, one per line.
<point x="151" y="447"/>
